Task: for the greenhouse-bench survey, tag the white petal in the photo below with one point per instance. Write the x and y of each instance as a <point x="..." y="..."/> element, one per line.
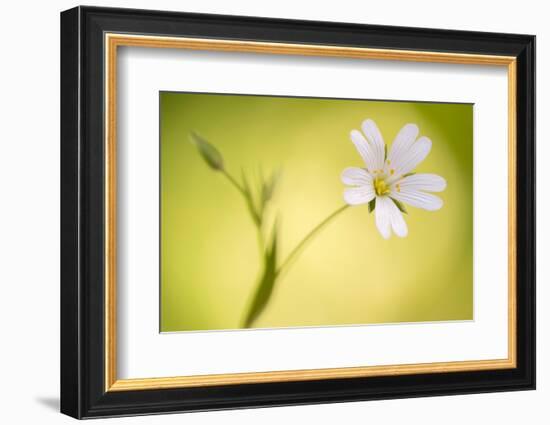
<point x="354" y="176"/>
<point x="359" y="195"/>
<point x="397" y="221"/>
<point x="403" y="141"/>
<point x="383" y="216"/>
<point x="395" y="216"/>
<point x="418" y="199"/>
<point x="407" y="161"/>
<point x="376" y="141"/>
<point x="427" y="182"/>
<point x="364" y="149"/>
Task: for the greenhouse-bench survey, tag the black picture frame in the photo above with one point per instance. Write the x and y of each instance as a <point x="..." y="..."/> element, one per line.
<point x="83" y="392"/>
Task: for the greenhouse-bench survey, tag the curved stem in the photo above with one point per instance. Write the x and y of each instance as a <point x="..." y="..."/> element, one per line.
<point x="310" y="235"/>
<point x="247" y="198"/>
<point x="234" y="182"/>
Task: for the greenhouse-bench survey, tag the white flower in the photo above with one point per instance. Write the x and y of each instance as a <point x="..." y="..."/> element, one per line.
<point x="387" y="180"/>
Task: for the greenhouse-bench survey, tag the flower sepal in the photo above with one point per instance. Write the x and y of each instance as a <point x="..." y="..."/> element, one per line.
<point x="208" y="152"/>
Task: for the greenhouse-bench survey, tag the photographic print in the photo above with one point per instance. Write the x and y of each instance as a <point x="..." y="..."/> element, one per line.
<point x="281" y="212"/>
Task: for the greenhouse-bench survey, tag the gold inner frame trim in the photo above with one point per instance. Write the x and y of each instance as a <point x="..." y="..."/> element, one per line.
<point x="113" y="41"/>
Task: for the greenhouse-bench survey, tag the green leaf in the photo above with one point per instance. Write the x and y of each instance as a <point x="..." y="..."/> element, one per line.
<point x="372" y="205"/>
<point x="208" y="152"/>
<point x="399" y="205"/>
<point x="268" y="186"/>
<point x="266" y="281"/>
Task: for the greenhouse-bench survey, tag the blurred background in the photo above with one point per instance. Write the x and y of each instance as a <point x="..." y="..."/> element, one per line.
<point x="348" y="274"/>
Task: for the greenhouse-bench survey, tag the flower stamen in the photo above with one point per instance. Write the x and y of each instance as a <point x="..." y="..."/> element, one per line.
<point x="380" y="187"/>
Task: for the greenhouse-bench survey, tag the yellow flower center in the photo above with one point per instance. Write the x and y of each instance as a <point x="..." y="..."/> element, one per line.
<point x="380" y="187"/>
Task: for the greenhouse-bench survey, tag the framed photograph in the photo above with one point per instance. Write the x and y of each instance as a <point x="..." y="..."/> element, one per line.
<point x="261" y="212"/>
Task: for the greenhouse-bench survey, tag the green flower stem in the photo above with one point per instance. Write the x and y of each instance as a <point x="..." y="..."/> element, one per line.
<point x="268" y="246"/>
<point x="255" y="216"/>
<point x="234" y="182"/>
<point x="308" y="237"/>
<point x="271" y="272"/>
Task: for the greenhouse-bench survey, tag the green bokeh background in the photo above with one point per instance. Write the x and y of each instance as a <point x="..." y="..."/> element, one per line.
<point x="348" y="274"/>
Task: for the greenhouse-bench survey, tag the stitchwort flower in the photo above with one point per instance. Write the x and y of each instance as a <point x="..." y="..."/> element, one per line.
<point x="387" y="181"/>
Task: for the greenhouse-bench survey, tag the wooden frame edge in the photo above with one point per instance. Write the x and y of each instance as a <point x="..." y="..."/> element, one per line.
<point x="306" y="375"/>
